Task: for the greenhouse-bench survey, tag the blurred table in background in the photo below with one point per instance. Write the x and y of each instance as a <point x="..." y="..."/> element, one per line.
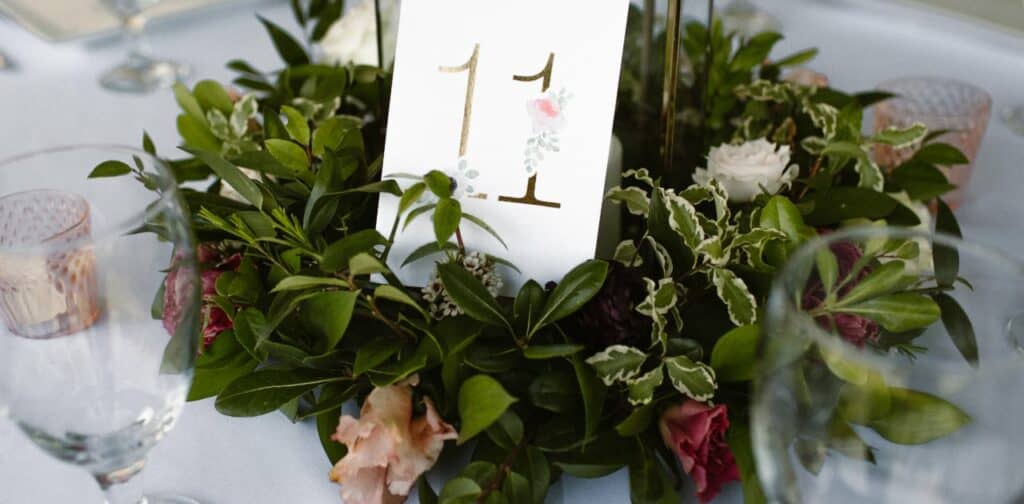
<point x="54" y="99"/>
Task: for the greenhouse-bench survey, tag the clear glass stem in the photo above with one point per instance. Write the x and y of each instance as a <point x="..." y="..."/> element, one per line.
<point x="135" y="36"/>
<point x="121" y="486"/>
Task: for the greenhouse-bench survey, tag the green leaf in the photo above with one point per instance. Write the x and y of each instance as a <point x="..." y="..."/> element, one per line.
<point x="641" y="388"/>
<point x="392" y="293"/>
<point x="516" y="489"/>
<point x="265" y="391"/>
<point x="828" y="268"/>
<point x="901" y="138"/>
<point x="297" y="126"/>
<point x="898" y="312"/>
<point x="428" y="250"/>
<point x="918" y="418"/>
<point x="780" y="213"/>
<point x="338" y="254"/>
<point x="593" y="393"/>
<point x="374" y="353"/>
<point x="845" y="203"/>
<point x="946" y="257"/>
<point x="447" y="216"/>
<point x="328" y="314"/>
<point x="795" y="59"/>
<point x="410" y="196"/>
<point x="365" y="264"/>
<point x="683" y="220"/>
<point x="921" y="181"/>
<point x="617" y="363"/>
<point x="958" y="325"/>
<point x="940" y="154"/>
<point x="528" y="305"/>
<point x="110" y="169"/>
<point x="189" y="104"/>
<point x="577" y="288"/>
<point x="754" y="51"/>
<point x="482" y="401"/>
<point x="196" y="134"/>
<point x="693" y="379"/>
<point x="330" y="133"/>
<point x="211" y="95"/>
<point x="507" y="432"/>
<point x="635" y="199"/>
<point x="483" y="225"/>
<point x="540" y="352"/>
<point x="425" y="492"/>
<point x="439" y="184"/>
<point x="300" y="282"/>
<point x="289" y="154"/>
<point x="460" y="491"/>
<point x="291" y="50"/>
<point x="471" y="295"/>
<point x="733" y="291"/>
<point x="232" y="176"/>
<point x="537" y="470"/>
<point x="326" y="425"/>
<point x="735" y="354"/>
<point x="889" y="277"/>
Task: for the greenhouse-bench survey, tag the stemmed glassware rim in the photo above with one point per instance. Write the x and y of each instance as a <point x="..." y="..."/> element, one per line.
<point x="167" y="196"/>
<point x="781" y="300"/>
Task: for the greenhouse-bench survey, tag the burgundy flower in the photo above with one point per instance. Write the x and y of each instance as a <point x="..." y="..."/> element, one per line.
<point x="176" y="290"/>
<point x="611" y="317"/>
<point x="852" y="328"/>
<point x="696" y="433"/>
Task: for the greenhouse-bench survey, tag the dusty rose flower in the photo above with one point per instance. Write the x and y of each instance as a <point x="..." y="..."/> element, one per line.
<point x="546" y="113"/>
<point x="696" y="433"/>
<point x="215" y="320"/>
<point x="852" y="328"/>
<point x="388" y="449"/>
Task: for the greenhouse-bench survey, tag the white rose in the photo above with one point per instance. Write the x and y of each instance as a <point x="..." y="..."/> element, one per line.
<point x="353" y="37"/>
<point x="748" y="169"/>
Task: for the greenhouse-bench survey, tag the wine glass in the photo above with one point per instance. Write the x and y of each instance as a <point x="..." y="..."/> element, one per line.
<point x="747" y="19"/>
<point x="864" y="393"/>
<point x="93" y="368"/>
<point x="141" y="72"/>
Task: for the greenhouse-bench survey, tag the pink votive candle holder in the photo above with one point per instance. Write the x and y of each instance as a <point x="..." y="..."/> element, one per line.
<point x="940" y="104"/>
<point x="47" y="267"/>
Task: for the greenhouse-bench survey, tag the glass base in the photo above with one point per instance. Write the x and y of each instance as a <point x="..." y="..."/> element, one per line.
<point x="1013" y="118"/>
<point x="167" y="499"/>
<point x="143" y="74"/>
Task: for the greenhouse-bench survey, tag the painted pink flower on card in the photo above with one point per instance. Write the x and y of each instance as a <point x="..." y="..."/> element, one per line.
<point x="546" y="113"/>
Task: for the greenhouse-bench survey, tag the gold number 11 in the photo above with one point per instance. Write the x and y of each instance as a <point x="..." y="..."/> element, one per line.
<point x="470" y="66"/>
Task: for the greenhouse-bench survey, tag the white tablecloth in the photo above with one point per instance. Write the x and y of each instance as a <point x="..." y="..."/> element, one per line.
<point x="54" y="99"/>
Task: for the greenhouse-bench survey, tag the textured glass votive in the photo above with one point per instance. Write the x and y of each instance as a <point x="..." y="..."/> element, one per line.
<point x="47" y="283"/>
<point x="940" y="104"/>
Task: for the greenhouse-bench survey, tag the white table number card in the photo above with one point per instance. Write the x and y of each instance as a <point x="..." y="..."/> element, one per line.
<point x="514" y="100"/>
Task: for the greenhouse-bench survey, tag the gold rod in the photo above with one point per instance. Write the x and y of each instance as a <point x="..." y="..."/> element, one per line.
<point x="671" y="88"/>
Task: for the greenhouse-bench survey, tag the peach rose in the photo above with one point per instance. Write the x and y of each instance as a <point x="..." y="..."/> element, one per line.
<point x="388" y="449"/>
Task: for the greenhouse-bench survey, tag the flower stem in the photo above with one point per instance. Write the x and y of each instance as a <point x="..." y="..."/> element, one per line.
<point x="462" y="244"/>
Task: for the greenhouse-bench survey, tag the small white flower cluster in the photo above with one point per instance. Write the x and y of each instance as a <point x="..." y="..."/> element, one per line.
<point x="482" y="267"/>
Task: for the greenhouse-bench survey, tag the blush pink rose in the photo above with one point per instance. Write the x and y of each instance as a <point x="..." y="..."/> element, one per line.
<point x="388" y="449"/>
<point x="546" y="114"/>
<point x="696" y="433"/>
<point x="852" y="328"/>
<point x="215" y="320"/>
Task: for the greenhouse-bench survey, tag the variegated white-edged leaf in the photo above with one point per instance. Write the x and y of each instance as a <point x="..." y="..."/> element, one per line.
<point x="641" y="388"/>
<point x="244" y="109"/>
<point x="683" y="219"/>
<point x="617" y="363"/>
<point x="661" y="297"/>
<point x="696" y="194"/>
<point x="664" y="259"/>
<point x="640" y="174"/>
<point x="901" y="138"/>
<point x="814" y="145"/>
<point x="784" y="133"/>
<point x="763" y="90"/>
<point x="635" y="199"/>
<point x="870" y="175"/>
<point x="713" y="251"/>
<point x="627" y="254"/>
<point x="721" y="198"/>
<point x="737" y="297"/>
<point x="218" y="124"/>
<point x="824" y="116"/>
<point x="694" y="379"/>
<point x="757" y="238"/>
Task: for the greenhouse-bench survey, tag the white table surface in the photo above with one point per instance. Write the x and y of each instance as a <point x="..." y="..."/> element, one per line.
<point x="54" y="99"/>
